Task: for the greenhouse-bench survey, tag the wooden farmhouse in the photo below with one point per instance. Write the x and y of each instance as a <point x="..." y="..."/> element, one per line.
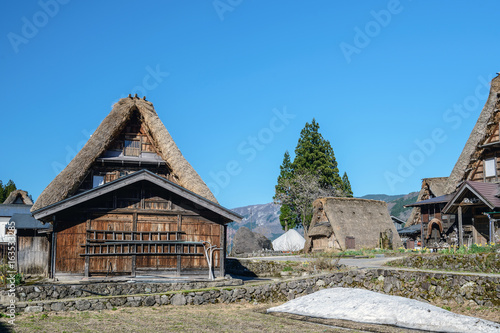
<point x="32" y="237"/>
<point x="129" y="203"/>
<point x="464" y="208"/>
<point x="340" y="224"/>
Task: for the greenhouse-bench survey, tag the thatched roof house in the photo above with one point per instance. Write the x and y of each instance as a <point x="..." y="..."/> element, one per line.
<point x="444" y="215"/>
<point x="181" y="172"/>
<point x="431" y="188"/>
<point x="345" y="223"/>
<point x="18" y="197"/>
<point x="483" y="142"/>
<point x="130" y="202"/>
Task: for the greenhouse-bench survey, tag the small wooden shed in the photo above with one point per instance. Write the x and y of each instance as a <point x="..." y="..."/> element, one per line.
<point x="32" y="236"/>
<point x="129" y="203"/>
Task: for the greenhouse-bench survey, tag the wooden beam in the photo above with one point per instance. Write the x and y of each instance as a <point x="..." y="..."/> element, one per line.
<point x="134" y="257"/>
<point x="87" y="258"/>
<point x="460" y="231"/>
<point x="179" y="258"/>
<point x="222" y="252"/>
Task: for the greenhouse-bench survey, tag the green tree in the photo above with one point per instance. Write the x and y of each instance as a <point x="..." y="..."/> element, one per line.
<point x="288" y="217"/>
<point x="313" y="173"/>
<point x="346" y="186"/>
<point x="315" y="154"/>
<point x="6" y="189"/>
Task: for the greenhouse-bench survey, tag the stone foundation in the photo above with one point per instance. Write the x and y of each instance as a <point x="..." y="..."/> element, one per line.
<point x="429" y="287"/>
<point x="481" y="262"/>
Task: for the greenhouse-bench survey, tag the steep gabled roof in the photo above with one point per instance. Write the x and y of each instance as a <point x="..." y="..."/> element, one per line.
<point x="484" y="125"/>
<point x="68" y="180"/>
<point x="486" y="192"/>
<point x="22" y="195"/>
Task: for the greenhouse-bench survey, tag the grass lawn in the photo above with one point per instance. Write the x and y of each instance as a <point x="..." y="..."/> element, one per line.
<point x="242" y="317"/>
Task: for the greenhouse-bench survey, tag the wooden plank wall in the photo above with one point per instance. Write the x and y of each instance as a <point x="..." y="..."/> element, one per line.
<point x="156" y="223"/>
<point x="196" y="228"/>
<point x="68" y="249"/>
<point x="111" y="264"/>
<point x="33" y="253"/>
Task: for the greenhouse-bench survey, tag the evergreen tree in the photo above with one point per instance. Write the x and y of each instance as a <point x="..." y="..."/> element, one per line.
<point x="9" y="187"/>
<point x="288" y="218"/>
<point x="312" y="174"/>
<point x="346" y="186"/>
<point x="315" y="155"/>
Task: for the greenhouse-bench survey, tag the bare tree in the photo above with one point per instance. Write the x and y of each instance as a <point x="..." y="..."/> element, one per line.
<point x="301" y="190"/>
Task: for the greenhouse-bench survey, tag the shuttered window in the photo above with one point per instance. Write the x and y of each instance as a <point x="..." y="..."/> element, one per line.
<point x="489" y="167"/>
<point x="132" y="148"/>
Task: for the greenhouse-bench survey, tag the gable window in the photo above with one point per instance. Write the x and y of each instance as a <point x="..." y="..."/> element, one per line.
<point x="490" y="167"/>
<point x="132" y="148"/>
<point x="97" y="181"/>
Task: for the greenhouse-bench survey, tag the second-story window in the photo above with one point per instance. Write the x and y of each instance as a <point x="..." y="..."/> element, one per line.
<point x="132" y="148"/>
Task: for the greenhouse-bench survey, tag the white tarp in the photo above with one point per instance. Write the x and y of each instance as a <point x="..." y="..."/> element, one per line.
<point x="366" y="306"/>
<point x="289" y="241"/>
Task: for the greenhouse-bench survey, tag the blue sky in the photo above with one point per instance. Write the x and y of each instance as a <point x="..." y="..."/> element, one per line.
<point x="396" y="86"/>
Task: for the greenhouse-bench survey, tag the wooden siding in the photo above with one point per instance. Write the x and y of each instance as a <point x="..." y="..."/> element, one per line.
<point x="33" y="253"/>
<point x="150" y="227"/>
<point x="68" y="247"/>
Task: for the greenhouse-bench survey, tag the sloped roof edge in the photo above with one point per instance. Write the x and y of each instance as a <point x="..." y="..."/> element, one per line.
<point x="131" y="179"/>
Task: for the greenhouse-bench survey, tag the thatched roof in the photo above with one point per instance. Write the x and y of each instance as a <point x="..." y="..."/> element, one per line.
<point x="431" y="187"/>
<point x="22" y="195"/>
<point x="321" y="229"/>
<point x="476" y="138"/>
<point x="359" y="218"/>
<point x="68" y="180"/>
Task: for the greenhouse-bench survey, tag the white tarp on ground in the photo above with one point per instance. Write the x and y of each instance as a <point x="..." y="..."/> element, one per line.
<point x="289" y="241"/>
<point x="366" y="306"/>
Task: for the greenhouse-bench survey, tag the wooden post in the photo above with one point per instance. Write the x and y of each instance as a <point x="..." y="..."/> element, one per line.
<point x="222" y="252"/>
<point x="460" y="231"/>
<point x="134" y="256"/>
<point x="492" y="229"/>
<point x="87" y="257"/>
<point x="54" y="243"/>
<point x="177" y="247"/>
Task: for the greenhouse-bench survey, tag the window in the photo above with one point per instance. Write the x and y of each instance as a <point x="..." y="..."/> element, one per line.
<point x="490" y="167"/>
<point x="97" y="181"/>
<point x="132" y="148"/>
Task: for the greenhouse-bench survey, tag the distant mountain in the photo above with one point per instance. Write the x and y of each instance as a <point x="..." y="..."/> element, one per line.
<point x="382" y="197"/>
<point x="263" y="219"/>
<point x="396" y="206"/>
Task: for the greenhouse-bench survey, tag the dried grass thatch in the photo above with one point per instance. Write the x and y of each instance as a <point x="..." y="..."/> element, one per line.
<point x="431" y="187"/>
<point x="486" y="119"/>
<point x="68" y="180"/>
<point x="23" y="195"/>
<point x="362" y="219"/>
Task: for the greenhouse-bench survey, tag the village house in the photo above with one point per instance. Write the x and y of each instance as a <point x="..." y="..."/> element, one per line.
<point x="31" y="236"/>
<point x="464" y="208"/>
<point x="129" y="203"/>
<point x="340" y="224"/>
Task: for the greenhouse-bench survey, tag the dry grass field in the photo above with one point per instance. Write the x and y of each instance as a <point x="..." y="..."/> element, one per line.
<point x="241" y="317"/>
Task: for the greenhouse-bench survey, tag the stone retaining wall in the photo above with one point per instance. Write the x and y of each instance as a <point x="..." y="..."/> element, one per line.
<point x="431" y="287"/>
<point x="63" y="291"/>
<point x="481" y="262"/>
